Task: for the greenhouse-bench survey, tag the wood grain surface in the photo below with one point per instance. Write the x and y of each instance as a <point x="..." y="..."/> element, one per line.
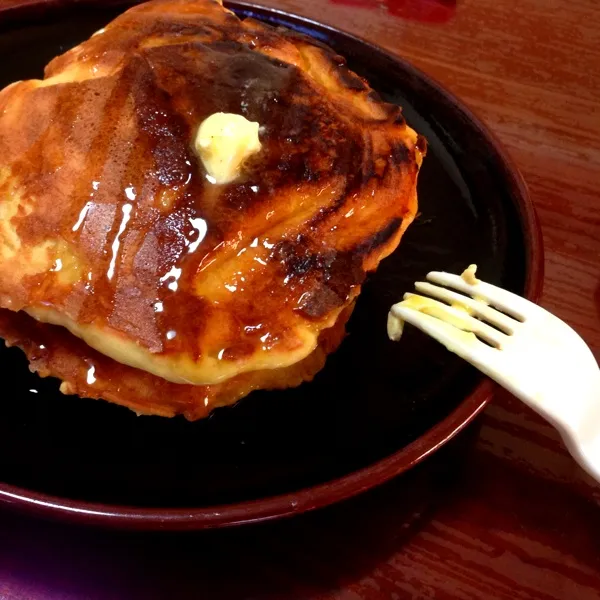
<point x="509" y="517"/>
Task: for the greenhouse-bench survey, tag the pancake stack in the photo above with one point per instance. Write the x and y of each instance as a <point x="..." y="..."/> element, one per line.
<point x="130" y="271"/>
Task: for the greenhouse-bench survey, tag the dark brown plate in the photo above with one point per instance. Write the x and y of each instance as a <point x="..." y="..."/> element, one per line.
<point x="377" y="409"/>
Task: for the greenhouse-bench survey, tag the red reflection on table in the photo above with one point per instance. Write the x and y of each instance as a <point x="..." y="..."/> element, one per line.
<point x="428" y="11"/>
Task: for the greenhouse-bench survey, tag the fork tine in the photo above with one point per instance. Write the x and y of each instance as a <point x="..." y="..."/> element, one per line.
<point x="463" y="343"/>
<point x="505" y="301"/>
<point x="497" y="319"/>
<point x="457" y="318"/>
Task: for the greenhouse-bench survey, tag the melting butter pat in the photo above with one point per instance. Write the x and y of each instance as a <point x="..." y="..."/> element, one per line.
<point x="223" y="142"/>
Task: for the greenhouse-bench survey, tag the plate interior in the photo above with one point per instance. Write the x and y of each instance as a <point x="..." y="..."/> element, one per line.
<point x="372" y="399"/>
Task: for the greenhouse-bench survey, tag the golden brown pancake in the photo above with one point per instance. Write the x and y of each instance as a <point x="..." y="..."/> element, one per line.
<point x="180" y="293"/>
<point x="54" y="351"/>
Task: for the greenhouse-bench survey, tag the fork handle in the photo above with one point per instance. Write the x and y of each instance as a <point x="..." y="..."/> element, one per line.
<point x="573" y="409"/>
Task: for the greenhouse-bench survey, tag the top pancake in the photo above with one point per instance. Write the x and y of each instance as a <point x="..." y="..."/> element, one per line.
<point x="109" y="226"/>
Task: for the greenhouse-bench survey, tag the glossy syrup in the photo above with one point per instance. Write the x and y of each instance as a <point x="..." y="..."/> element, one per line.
<point x="164" y="256"/>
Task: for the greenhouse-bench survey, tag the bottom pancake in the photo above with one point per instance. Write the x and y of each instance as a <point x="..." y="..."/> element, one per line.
<point x="54" y="352"/>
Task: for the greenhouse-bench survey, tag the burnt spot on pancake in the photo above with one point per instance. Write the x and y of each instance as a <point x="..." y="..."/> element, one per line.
<point x="399" y="118"/>
<point x="322" y="281"/>
<point x="319" y="301"/>
<point x="400" y="154"/>
<point x="379" y="238"/>
<point x="352" y="81"/>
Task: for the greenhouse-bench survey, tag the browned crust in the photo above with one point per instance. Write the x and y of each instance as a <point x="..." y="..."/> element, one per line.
<point x="327" y="198"/>
<point x="53" y="351"/>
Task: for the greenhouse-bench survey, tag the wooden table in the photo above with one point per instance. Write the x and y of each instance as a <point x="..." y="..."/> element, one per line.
<point x="514" y="519"/>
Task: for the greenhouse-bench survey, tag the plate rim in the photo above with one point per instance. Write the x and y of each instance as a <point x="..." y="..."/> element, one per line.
<point x="347" y="486"/>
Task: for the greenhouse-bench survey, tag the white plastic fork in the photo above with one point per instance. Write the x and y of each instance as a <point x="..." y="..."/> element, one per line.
<point x="526" y="349"/>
